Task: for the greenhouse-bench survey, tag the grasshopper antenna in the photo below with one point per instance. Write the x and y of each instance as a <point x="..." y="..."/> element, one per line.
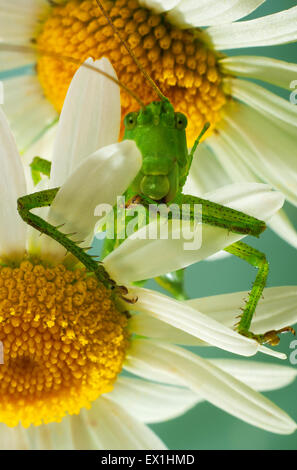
<point x="145" y="74"/>
<point x="28" y="49"/>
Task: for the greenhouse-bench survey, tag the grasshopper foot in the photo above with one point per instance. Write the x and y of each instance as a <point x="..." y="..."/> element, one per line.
<point x="270" y="337"/>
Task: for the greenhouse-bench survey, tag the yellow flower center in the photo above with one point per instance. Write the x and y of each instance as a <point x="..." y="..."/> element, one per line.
<point x="184" y="68"/>
<point x="64" y="342"/>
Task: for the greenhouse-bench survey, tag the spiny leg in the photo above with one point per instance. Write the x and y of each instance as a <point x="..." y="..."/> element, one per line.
<point x="212" y="214"/>
<point x="221" y="216"/>
<point x="257" y="259"/>
<point x="40" y="166"/>
<point x="44" y="199"/>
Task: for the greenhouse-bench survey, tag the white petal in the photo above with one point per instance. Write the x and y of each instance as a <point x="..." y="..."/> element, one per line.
<point x="39" y="437"/>
<point x="211" y="383"/>
<point x="257" y="375"/>
<point x="278" y="28"/>
<point x="99" y="179"/>
<point x="109" y="426"/>
<point x="211" y="12"/>
<point x="150" y="327"/>
<point x="29" y="121"/>
<point x="13" y="438"/>
<point x="276" y="310"/>
<point x="18" y="20"/>
<point x="272" y="353"/>
<point x="12" y="186"/>
<point x="61" y="435"/>
<point x="159" y="256"/>
<point x="90" y="119"/>
<point x="12" y="61"/>
<point x="260" y="376"/>
<point x="263" y="100"/>
<point x="282" y="225"/>
<point x="53" y="436"/>
<point x="159" y="6"/>
<point x="181" y="315"/>
<point x="157" y="402"/>
<point x="154" y="402"/>
<point x="206" y="173"/>
<point x="266" y="148"/>
<point x="267" y="69"/>
<point x="226" y="152"/>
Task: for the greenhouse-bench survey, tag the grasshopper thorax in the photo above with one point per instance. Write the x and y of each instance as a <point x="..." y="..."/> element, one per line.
<point x="160" y="134"/>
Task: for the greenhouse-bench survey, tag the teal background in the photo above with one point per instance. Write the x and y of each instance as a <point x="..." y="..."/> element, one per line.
<point x="206" y="427"/>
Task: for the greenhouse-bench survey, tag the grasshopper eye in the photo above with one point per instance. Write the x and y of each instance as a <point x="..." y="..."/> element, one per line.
<point x="130" y="120"/>
<point x="180" y="121"/>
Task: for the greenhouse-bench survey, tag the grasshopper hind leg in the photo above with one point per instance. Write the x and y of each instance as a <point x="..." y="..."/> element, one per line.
<point x="257" y="259"/>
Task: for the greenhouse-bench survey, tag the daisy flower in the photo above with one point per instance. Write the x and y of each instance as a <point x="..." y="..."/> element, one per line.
<point x="66" y="337"/>
<point x="179" y="42"/>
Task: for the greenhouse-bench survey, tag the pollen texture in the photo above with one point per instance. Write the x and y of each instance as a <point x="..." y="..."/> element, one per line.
<point x="64" y="342"/>
<point x="184" y="68"/>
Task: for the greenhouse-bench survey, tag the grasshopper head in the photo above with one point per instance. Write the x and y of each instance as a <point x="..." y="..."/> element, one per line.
<point x="159" y="133"/>
<point x="156" y="114"/>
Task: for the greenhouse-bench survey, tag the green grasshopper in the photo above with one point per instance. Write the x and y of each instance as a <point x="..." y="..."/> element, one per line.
<point x="160" y="134"/>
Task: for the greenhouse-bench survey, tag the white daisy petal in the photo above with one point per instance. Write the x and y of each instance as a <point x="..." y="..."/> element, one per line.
<point x="9" y="61"/>
<point x="109" y="426"/>
<point x="226" y="152"/>
<point x="262" y="100"/>
<point x="99" y="179"/>
<point x="180" y="315"/>
<point x="206" y="173"/>
<point x="278" y="28"/>
<point x="154" y="403"/>
<point x="162" y="256"/>
<point x="265" y="148"/>
<point x="260" y="376"/>
<point x="150" y="327"/>
<point x="211" y="383"/>
<point x="82" y="436"/>
<point x="61" y="435"/>
<point x="12" y="185"/>
<point x="282" y="225"/>
<point x="18" y="19"/>
<point x="159" y="6"/>
<point x="209" y="12"/>
<point x="13" y="438"/>
<point x="276" y="310"/>
<point x="268" y="70"/>
<point x="53" y="436"/>
<point x="31" y="120"/>
<point x="90" y="119"/>
<point x="39" y="437"/>
<point x="272" y="353"/>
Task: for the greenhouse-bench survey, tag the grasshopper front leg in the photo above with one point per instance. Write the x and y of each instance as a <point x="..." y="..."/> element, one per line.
<point x="45" y="199"/>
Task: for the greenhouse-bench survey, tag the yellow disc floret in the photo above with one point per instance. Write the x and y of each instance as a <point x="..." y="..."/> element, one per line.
<point x="64" y="341"/>
<point x="184" y="68"/>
